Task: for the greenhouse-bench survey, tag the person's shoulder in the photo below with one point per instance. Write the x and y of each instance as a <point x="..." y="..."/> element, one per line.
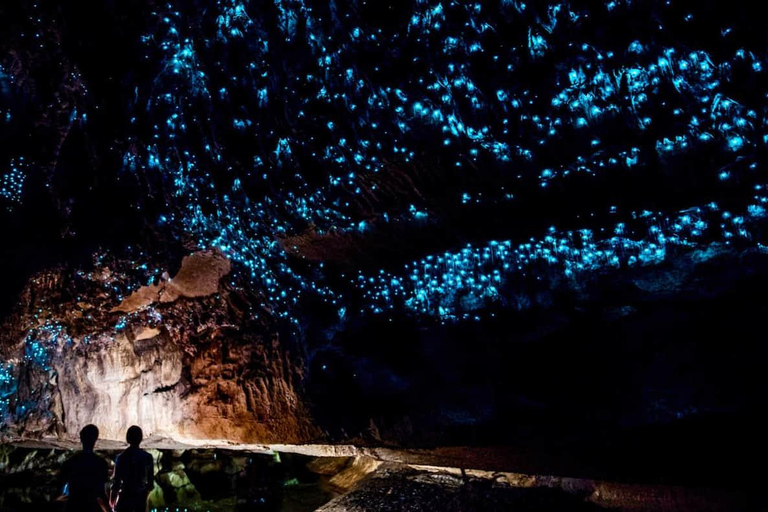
<point x="146" y="455"/>
<point x="123" y="456"/>
<point x="102" y="460"/>
<point x="76" y="457"/>
<point x="95" y="458"/>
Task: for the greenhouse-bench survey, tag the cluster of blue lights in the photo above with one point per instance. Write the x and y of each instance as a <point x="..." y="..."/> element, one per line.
<point x="273" y="126"/>
<point x="42" y="342"/>
<point x="12" y="182"/>
<point x="455" y="284"/>
<point x="8" y="386"/>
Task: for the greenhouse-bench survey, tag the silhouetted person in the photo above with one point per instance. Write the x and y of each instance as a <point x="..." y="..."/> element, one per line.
<point x="134" y="475"/>
<point x="86" y="476"/>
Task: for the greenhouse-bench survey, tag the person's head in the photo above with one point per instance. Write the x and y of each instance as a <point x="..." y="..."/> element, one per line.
<point x="88" y="436"/>
<point x="134" y="436"/>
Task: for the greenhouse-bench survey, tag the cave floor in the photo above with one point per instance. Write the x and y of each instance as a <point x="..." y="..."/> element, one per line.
<point x="361" y="479"/>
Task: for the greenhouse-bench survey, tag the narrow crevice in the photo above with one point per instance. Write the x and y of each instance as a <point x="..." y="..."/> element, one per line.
<point x="164" y="389"/>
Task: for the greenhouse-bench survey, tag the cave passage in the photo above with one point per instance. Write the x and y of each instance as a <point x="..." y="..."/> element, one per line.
<point x="532" y="232"/>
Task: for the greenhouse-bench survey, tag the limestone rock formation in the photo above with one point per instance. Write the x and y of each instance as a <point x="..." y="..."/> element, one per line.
<point x="186" y="359"/>
<point x="199" y="277"/>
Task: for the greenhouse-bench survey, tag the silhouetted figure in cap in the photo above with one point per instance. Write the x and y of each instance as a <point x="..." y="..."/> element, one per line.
<point x="134" y="475"/>
<point x="85" y="475"/>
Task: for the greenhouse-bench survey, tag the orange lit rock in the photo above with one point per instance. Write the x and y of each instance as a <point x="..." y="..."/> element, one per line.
<point x="198" y="277"/>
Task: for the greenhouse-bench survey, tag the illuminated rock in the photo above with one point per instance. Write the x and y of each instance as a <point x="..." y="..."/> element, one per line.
<point x="123" y="383"/>
<point x="199" y="277"/>
<point x="199" y="367"/>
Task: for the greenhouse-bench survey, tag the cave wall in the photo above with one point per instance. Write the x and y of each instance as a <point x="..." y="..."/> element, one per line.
<point x="189" y="358"/>
<point x="407" y="222"/>
<point x="186" y="363"/>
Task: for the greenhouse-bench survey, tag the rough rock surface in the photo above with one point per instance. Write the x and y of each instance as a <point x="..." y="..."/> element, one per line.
<point x="344" y="473"/>
<point x="199" y="277"/>
<point x="399" y="488"/>
<point x="191" y="363"/>
<point x="124" y="383"/>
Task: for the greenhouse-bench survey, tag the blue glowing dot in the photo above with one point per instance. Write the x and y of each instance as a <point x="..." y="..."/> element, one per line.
<point x="735" y="143"/>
